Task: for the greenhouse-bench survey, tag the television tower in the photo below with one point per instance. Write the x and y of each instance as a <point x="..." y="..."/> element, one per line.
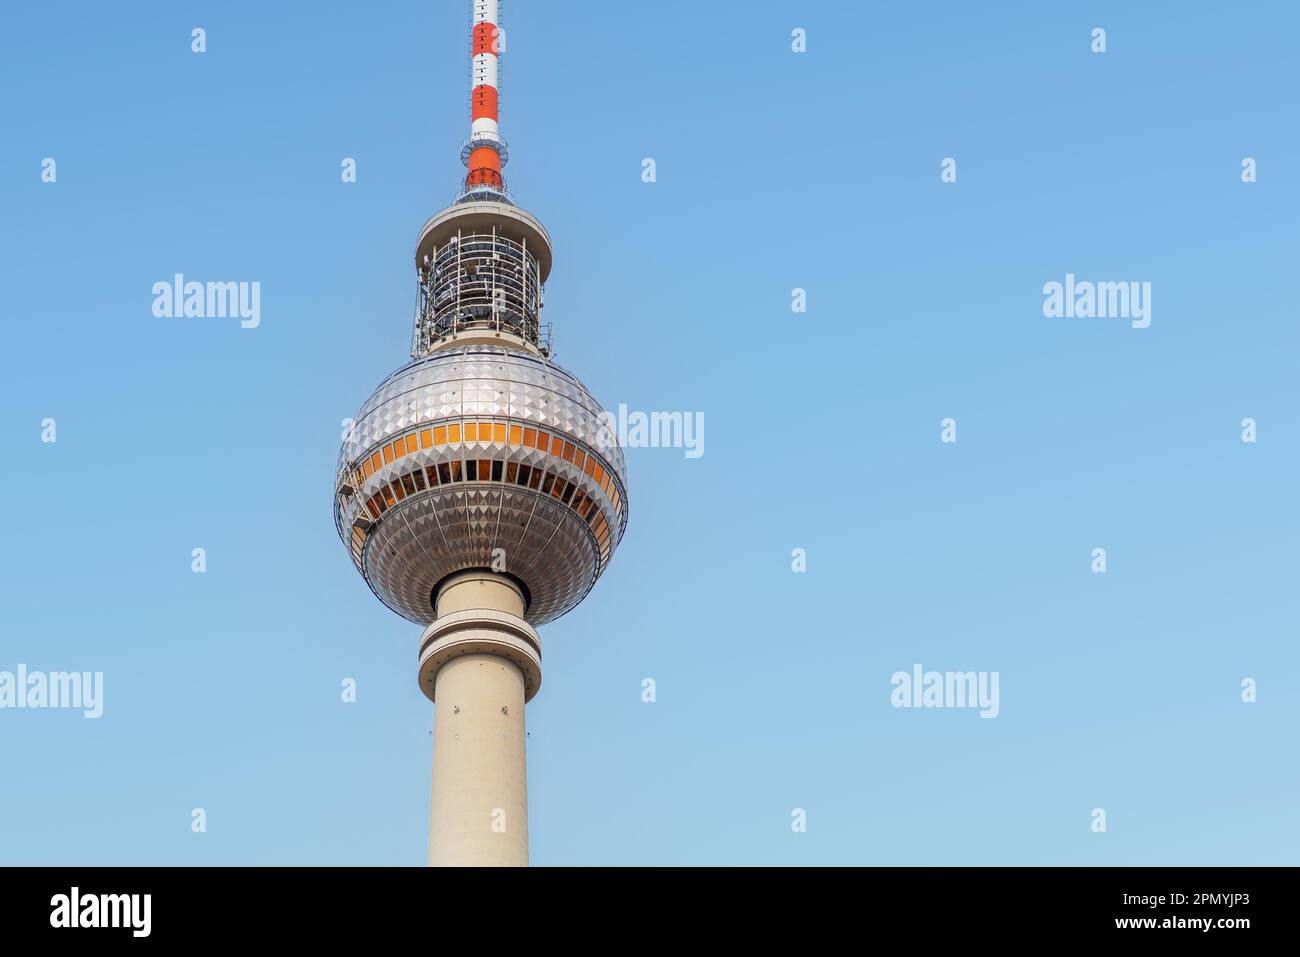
<point x="479" y="492"/>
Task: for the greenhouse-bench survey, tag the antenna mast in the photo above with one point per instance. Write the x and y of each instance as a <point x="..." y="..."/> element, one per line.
<point x="485" y="152"/>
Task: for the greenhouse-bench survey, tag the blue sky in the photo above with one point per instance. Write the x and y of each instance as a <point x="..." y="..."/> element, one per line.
<point x="775" y="171"/>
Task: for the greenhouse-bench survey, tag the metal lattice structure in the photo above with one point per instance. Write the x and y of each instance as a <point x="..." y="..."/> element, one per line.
<point x="483" y="281"/>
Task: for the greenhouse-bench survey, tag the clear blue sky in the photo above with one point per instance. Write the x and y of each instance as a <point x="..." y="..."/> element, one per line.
<point x="775" y="171"/>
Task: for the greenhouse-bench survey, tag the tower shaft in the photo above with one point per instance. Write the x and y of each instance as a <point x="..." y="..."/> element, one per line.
<point x="480" y="663"/>
<point x="478" y="812"/>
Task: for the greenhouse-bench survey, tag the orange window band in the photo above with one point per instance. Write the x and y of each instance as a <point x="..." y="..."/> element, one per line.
<point x="502" y="433"/>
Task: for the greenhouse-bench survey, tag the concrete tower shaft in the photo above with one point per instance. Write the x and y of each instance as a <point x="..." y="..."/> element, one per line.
<point x="479" y="663"/>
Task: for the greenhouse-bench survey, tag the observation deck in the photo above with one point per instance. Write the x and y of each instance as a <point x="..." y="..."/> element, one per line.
<point x="481" y="266"/>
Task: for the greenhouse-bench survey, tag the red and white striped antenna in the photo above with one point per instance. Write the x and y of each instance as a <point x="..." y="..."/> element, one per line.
<point x="485" y="152"/>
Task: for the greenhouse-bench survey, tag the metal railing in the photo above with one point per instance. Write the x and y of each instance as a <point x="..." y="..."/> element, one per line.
<point x="477" y="281"/>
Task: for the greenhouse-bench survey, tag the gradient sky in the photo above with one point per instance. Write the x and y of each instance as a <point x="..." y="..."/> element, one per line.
<point x="775" y="170"/>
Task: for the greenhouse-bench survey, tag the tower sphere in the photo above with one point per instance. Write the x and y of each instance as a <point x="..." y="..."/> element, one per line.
<point x="481" y="456"/>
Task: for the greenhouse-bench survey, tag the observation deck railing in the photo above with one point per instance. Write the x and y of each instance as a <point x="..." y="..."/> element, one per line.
<point x="477" y="281"/>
